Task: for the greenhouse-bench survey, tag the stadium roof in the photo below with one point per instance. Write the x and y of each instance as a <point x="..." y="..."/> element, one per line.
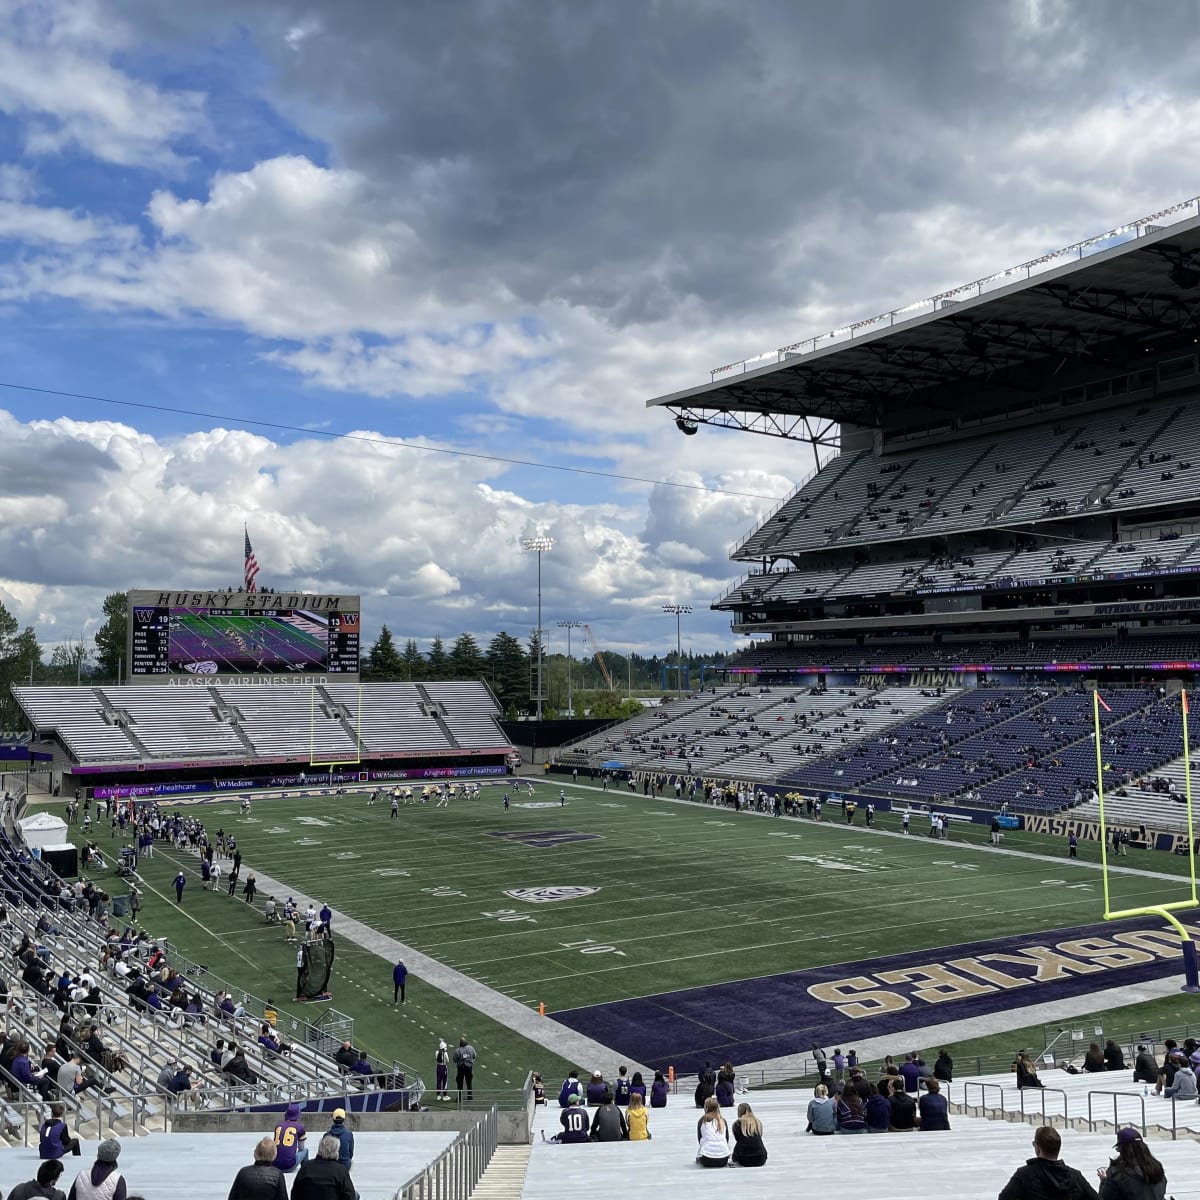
<point x="988" y="346"/>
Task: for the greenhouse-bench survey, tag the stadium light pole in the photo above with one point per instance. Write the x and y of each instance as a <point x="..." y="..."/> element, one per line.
<point x="539" y="545"/>
<point x="568" y="626"/>
<point x="678" y="610"/>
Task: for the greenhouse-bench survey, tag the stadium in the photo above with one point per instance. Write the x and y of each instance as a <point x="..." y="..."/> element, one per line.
<point x="890" y="814"/>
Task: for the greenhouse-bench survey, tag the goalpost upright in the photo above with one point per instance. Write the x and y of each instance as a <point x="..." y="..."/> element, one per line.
<point x="1191" y="973"/>
<point x="312" y="736"/>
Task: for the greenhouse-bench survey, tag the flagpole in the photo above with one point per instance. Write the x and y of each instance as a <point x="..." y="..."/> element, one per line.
<point x="1100" y="796"/>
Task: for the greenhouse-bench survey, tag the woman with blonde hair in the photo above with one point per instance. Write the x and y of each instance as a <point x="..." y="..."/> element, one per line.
<point x="637" y="1115"/>
<point x="748" y="1148"/>
<point x="822" y="1112"/>
<point x="712" y="1136"/>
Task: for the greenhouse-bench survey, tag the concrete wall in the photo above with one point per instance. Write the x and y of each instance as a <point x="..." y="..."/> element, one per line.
<point x="513" y="1126"/>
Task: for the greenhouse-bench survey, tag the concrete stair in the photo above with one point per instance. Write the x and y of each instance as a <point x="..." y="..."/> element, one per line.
<point x="504" y="1178"/>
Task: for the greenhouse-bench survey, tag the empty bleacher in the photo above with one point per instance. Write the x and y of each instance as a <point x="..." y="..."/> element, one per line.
<point x="219" y="722"/>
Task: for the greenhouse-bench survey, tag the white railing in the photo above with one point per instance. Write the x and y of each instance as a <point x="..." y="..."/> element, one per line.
<point x="1079" y="250"/>
<point x="455" y="1172"/>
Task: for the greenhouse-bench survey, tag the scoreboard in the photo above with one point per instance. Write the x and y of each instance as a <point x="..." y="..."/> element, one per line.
<point x="271" y="637"/>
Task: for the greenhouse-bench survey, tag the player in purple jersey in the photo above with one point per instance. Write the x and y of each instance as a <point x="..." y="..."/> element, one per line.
<point x="290" y="1150"/>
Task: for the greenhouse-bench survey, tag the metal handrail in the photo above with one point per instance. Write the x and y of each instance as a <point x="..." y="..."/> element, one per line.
<point x="455" y="1172"/>
<point x="1116" y="1122"/>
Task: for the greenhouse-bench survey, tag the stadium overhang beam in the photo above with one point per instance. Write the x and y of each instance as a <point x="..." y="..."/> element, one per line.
<point x="815" y="431"/>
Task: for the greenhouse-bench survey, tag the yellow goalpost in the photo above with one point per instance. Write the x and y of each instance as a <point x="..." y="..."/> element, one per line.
<point x="1167" y="910"/>
<point x="330" y="767"/>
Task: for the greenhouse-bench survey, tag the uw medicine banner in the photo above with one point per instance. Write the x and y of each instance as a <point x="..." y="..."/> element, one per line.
<point x="777" y="1015"/>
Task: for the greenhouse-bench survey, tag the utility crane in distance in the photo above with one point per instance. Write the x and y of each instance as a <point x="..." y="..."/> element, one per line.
<point x="599" y="657"/>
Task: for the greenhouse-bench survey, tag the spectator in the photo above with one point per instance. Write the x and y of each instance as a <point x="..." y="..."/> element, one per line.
<point x="324" y="1177"/>
<point x="934" y="1111"/>
<point x="261" y="1180"/>
<point x="1114" y="1056"/>
<point x="43" y="1186"/>
<point x="346" y="1057"/>
<point x="910" y="1073"/>
<point x="576" y="1125"/>
<point x="1093" y="1059"/>
<point x="822" y="1113"/>
<point x="621" y="1087"/>
<point x="748" y="1147"/>
<point x="848" y="1112"/>
<point x="943" y="1068"/>
<point x="1145" y="1069"/>
<point x="1135" y="1174"/>
<point x="363" y="1070"/>
<point x="597" y="1090"/>
<point x="345" y="1138"/>
<point x="1044" y="1175"/>
<point x="464" y="1062"/>
<point x="726" y="1079"/>
<point x="706" y="1085"/>
<point x="102" y="1178"/>
<point x="237" y="1066"/>
<point x="659" y="1090"/>
<point x="54" y="1138"/>
<point x="877" y="1111"/>
<point x="638" y="1116"/>
<point x="712" y="1136"/>
<point x="570" y="1087"/>
<point x="638" y="1085"/>
<point x="904" y="1110"/>
<point x="24" y="1074"/>
<point x="289" y="1138"/>
<point x="1183" y="1084"/>
<point x="608" y="1122"/>
<point x="1027" y="1076"/>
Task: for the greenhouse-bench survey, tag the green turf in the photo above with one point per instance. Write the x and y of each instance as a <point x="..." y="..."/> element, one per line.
<point x="688" y="895"/>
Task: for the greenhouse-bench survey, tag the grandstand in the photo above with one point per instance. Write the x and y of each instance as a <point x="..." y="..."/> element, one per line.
<point x="113" y="735"/>
<point x="1013" y="502"/>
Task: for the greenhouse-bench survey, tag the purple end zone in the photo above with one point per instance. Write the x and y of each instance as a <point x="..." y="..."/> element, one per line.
<point x="776" y="1015"/>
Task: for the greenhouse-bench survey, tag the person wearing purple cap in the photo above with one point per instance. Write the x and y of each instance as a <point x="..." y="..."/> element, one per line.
<point x="1135" y="1174"/>
<point x="290" y="1150"/>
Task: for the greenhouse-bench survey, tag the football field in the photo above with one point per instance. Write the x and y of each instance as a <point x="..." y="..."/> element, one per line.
<point x="671" y="929"/>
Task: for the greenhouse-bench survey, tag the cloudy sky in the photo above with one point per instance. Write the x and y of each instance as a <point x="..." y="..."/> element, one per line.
<point x="498" y="227"/>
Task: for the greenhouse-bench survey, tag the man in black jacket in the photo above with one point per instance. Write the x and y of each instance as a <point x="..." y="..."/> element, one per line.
<point x="323" y="1176"/>
<point x="1044" y="1177"/>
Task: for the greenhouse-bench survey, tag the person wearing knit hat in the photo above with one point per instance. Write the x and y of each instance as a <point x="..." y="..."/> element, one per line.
<point x="344" y="1136"/>
<point x="441" y="1062"/>
<point x="102" y="1180"/>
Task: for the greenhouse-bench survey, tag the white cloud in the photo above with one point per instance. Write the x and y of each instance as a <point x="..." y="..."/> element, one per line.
<point x="57" y="78"/>
<point x="92" y="507"/>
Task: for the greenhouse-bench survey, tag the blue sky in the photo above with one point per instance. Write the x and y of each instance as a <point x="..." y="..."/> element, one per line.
<point x="499" y="232"/>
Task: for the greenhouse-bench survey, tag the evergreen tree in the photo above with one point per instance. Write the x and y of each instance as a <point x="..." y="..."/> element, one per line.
<point x="110" y="638"/>
<point x="466" y="659"/>
<point x="438" y="666"/>
<point x="507" y="670"/>
<point x="384" y="662"/>
<point x="414" y="661"/>
<point x="20" y="655"/>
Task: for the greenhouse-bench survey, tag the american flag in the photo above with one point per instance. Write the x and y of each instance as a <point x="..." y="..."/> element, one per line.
<point x="251" y="565"/>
